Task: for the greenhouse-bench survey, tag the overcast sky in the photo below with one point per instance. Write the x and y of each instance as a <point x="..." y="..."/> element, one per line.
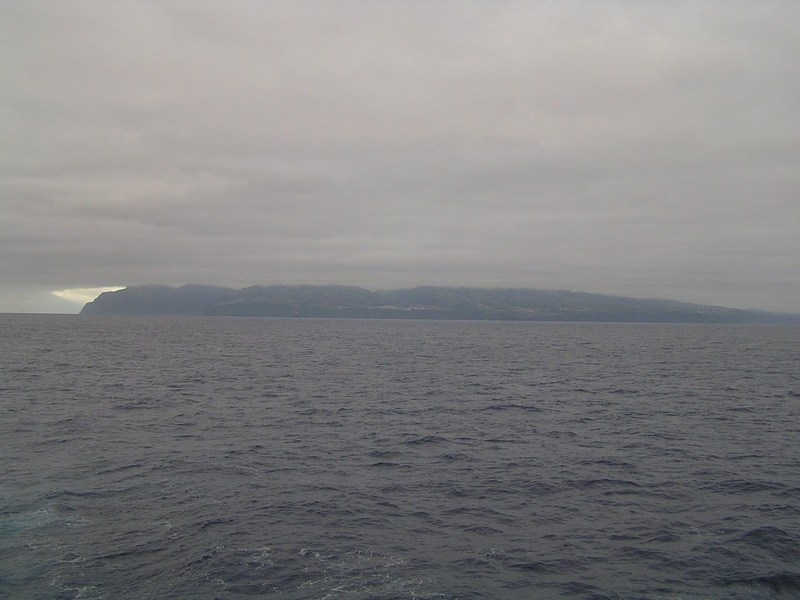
<point x="649" y="149"/>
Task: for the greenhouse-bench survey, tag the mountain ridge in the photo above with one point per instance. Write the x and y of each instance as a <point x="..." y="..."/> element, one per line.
<point x="421" y="302"/>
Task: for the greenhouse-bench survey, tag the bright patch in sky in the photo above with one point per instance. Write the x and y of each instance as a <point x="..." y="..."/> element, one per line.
<point x="83" y="295"/>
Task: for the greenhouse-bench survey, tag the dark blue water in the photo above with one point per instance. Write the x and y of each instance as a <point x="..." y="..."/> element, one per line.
<point x="262" y="458"/>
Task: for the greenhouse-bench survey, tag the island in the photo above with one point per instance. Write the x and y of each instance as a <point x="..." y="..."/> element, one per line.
<point x="424" y="302"/>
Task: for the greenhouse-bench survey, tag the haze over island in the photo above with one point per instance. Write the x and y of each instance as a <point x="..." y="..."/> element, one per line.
<point x="645" y="150"/>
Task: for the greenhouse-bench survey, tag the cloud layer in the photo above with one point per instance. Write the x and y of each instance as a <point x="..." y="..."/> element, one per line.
<point x="635" y="148"/>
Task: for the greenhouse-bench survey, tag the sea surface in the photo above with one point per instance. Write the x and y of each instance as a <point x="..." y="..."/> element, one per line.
<point x="202" y="458"/>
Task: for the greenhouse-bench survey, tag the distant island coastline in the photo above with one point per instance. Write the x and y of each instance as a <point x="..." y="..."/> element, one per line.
<point x="424" y="302"/>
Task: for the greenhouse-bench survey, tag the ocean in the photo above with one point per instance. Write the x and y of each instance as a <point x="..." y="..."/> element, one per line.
<point x="203" y="458"/>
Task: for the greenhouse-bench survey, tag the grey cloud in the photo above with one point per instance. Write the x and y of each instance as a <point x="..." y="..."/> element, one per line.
<point x="635" y="148"/>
